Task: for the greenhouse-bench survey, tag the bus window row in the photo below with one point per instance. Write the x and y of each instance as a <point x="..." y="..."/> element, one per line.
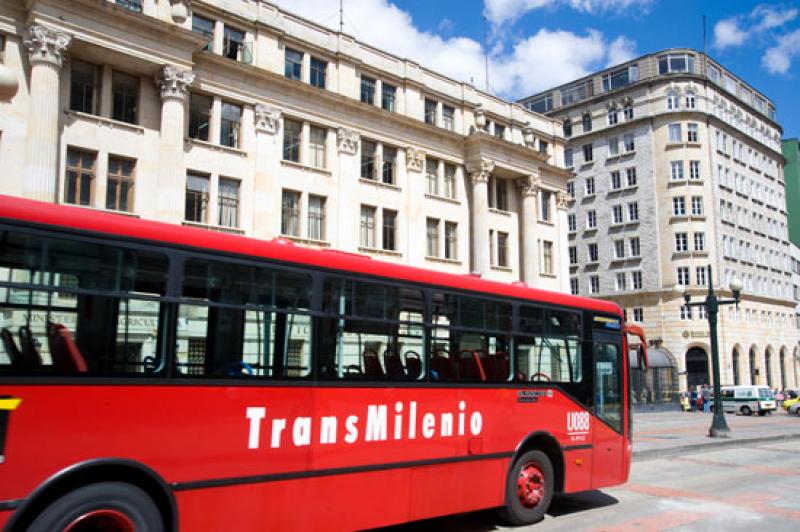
<point x="95" y="308"/>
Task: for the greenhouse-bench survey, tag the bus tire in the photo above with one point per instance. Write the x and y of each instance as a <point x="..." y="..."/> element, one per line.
<point x="529" y="489"/>
<point x="746" y="411"/>
<point x="101" y="506"/>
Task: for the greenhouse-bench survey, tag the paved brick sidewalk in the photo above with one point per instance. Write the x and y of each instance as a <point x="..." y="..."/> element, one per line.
<point x="660" y="434"/>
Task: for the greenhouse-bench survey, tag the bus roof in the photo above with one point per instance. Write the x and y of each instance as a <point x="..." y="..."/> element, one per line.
<point x="280" y="249"/>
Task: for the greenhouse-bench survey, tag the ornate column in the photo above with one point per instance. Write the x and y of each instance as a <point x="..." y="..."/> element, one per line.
<point x="267" y="193"/>
<point x="46" y="50"/>
<point x="562" y="262"/>
<point x="529" y="189"/>
<point x="479" y="173"/>
<point x="173" y="83"/>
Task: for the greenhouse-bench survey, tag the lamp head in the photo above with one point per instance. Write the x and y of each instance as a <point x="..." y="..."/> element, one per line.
<point x="681" y="291"/>
<point x="736" y="285"/>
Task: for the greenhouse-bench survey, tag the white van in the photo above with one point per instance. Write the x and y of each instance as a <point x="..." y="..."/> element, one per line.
<point x="746" y="399"/>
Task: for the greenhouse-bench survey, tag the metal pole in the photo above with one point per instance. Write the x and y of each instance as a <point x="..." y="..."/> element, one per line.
<point x="719" y="427"/>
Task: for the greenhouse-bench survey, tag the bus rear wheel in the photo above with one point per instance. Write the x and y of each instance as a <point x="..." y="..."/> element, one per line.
<point x="101" y="507"/>
<point x="529" y="489"/>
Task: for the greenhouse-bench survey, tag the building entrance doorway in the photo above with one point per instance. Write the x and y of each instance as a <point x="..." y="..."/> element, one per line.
<point x="696" y="367"/>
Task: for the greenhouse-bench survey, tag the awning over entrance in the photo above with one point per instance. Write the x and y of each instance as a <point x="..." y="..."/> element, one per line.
<point x="657" y="358"/>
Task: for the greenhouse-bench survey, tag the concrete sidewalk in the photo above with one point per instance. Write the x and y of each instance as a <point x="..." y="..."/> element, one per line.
<point x="663" y="434"/>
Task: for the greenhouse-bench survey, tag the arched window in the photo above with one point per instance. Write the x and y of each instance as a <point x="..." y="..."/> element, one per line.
<point x="567" y="128"/>
<point x="587" y="122"/>
<point x="612" y="116"/>
<point x="627" y="112"/>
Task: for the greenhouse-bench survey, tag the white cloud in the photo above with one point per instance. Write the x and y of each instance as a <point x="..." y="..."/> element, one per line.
<point x="737" y="30"/>
<point x="504" y="11"/>
<point x="535" y="63"/>
<point x="778" y="59"/>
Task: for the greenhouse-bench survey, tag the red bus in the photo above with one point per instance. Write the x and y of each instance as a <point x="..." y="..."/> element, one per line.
<point x="159" y="377"/>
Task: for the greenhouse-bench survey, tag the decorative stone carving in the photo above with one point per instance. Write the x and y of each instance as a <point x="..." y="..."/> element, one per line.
<point x="267" y="119"/>
<point x="528" y="136"/>
<point x="46" y="45"/>
<point x="415" y="159"/>
<point x="174" y="81"/>
<point x="529" y="186"/>
<point x="180" y="10"/>
<point x="563" y="200"/>
<point x="480" y="118"/>
<point x="481" y="170"/>
<point x="348" y="141"/>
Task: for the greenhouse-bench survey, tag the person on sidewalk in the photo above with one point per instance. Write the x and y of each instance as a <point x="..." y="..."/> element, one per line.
<point x="692" y="400"/>
<point x="699" y="402"/>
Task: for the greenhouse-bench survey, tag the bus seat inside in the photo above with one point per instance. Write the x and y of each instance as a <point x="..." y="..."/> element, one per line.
<point x="67" y="358"/>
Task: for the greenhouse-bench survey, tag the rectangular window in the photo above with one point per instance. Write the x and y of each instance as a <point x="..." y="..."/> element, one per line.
<point x="628" y="140"/>
<point x="674" y="132"/>
<point x="568" y="158"/>
<point x="683" y="275"/>
<point x="499" y="131"/>
<point x="319" y="71"/>
<point x="613" y="117"/>
<point x="500" y="194"/>
<point x="621" y="284"/>
<point x="697" y="205"/>
<point x="79" y="177"/>
<point x="573" y="288"/>
<point x="130" y="5"/>
<point x="432" y="237"/>
<point x="316" y="217"/>
<point x="573" y="255"/>
<point x="450" y="181"/>
<point x="432" y="175"/>
<point x="638" y="314"/>
<point x="613" y="146"/>
<point x="627" y="112"/>
<point x="668" y="64"/>
<point x="616" y="214"/>
<point x="679" y="206"/>
<point x="700" y="273"/>
<point x="547" y="257"/>
<point x="630" y="175"/>
<point x="633" y="211"/>
<point x="591" y="220"/>
<point x="572" y="224"/>
<point x="316" y="146"/>
<point x="448" y="116"/>
<point x="388" y="165"/>
<point x="228" y="203"/>
<point x="230" y="124"/>
<point x="594" y="284"/>
<point x="635" y="246"/>
<point x="119" y="188"/>
<point x="367" y="90"/>
<point x="389" y="230"/>
<point x="290" y="213"/>
<point x="694" y="170"/>
<point x="451" y="240"/>
<point x="619" y="249"/>
<point x="544" y="205"/>
<point x="204" y="27"/>
<point x="542" y="104"/>
<point x="616" y="180"/>
<point x="590" y="186"/>
<point x="502" y="249"/>
<point x="620" y="78"/>
<point x="430" y="111"/>
<point x="699" y="241"/>
<point x="681" y="242"/>
<point x="234" y="47"/>
<point x="292" y="132"/>
<point x="199" y="116"/>
<point x="676" y="170"/>
<point x="84" y="85"/>
<point x="686" y="312"/>
<point x="197" y="188"/>
<point x="125" y="96"/>
<point x="368" y="149"/>
<point x="636" y="278"/>
<point x="388" y="96"/>
<point x="588" y="156"/>
<point x="593" y="252"/>
<point x="691" y="132"/>
<point x="367" y="238"/>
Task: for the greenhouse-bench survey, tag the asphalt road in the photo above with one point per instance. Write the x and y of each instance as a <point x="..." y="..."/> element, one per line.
<point x="750" y="486"/>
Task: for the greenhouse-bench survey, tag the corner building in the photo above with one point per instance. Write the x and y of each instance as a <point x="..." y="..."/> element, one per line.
<point x="236" y="116"/>
<point x="677" y="166"/>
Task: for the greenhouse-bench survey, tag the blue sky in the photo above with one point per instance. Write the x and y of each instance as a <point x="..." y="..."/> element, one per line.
<point x="536" y="44"/>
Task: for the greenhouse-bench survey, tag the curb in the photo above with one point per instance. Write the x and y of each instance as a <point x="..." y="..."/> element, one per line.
<point x="654" y="454"/>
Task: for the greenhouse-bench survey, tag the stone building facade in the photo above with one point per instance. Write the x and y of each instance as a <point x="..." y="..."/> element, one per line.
<point x="677" y="166"/>
<point x="236" y="116"/>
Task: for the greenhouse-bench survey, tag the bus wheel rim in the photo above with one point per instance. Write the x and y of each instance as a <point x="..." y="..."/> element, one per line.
<point x="105" y="520"/>
<point x="530" y="485"/>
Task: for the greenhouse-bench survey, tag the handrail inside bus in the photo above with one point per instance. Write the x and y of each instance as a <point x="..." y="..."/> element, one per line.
<point x="637" y="331"/>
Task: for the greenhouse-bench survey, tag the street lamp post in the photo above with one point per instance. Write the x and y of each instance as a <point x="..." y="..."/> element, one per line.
<point x="719" y="427"/>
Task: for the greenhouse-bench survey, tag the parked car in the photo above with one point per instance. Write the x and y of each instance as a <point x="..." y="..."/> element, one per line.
<point x="794" y="409"/>
<point x="792" y="398"/>
<point x="747" y="399"/>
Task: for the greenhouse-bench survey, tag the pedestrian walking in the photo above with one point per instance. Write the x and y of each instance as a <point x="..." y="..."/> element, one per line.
<point x="699" y="402"/>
